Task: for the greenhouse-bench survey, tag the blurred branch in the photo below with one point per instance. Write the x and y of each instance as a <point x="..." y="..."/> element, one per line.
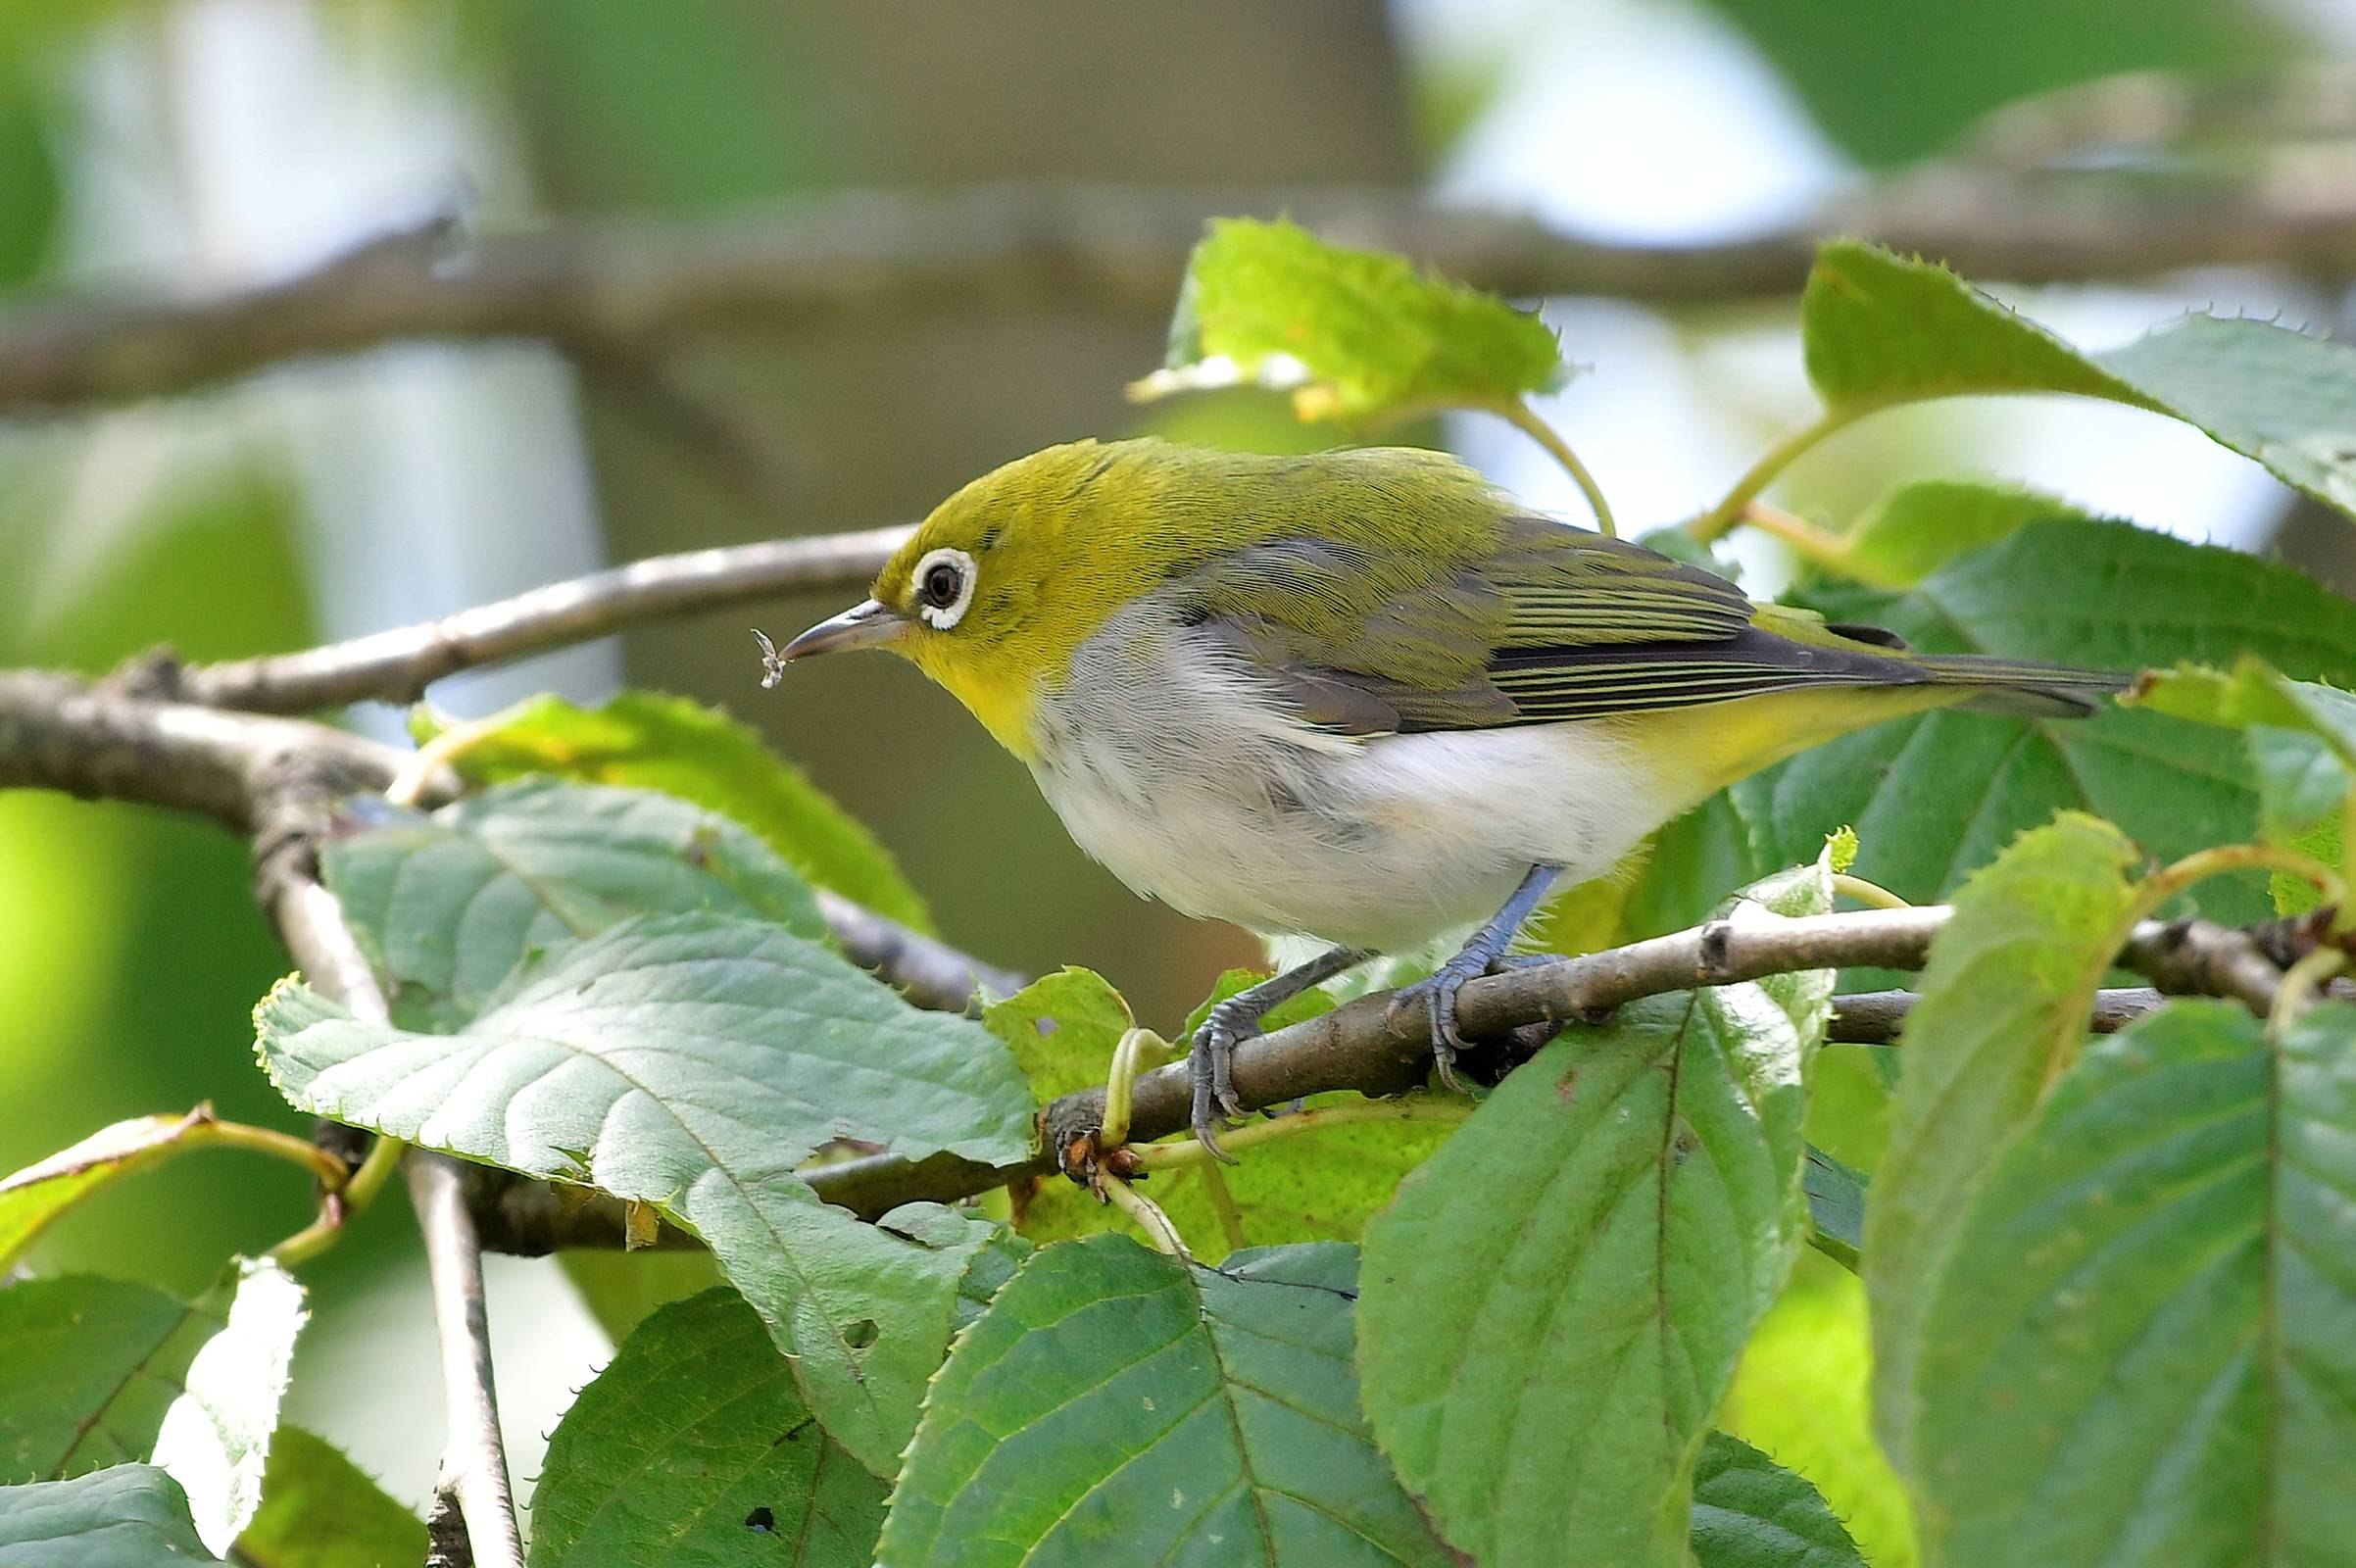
<point x="397" y="665"/>
<point x="627" y="288"/>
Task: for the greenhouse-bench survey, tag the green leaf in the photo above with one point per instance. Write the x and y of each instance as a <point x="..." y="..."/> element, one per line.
<point x="105" y="1372"/>
<point x="2283" y="398"/>
<point x="130" y="1516"/>
<point x="1557" y="1301"/>
<point x="1321" y="1186"/>
<point x="691" y="1061"/>
<point x="94" y="1363"/>
<point x="2004" y="1003"/>
<point x="34" y="1196"/>
<point x="1061" y="1030"/>
<point x="1836" y="1207"/>
<point x="1919" y="527"/>
<point x="1750" y="1512"/>
<point x="2139" y="1354"/>
<point x="2301" y="738"/>
<point x="620" y="1287"/>
<point x="1933" y="798"/>
<point x="1898" y="84"/>
<point x="1879" y="330"/>
<point x="320" y="1510"/>
<point x="1118" y="1405"/>
<point x="695" y="1446"/>
<point x="446" y="907"/>
<point x="648" y="741"/>
<point x="1360" y="333"/>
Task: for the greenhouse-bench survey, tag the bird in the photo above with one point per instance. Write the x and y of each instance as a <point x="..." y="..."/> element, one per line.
<point x="1364" y="695"/>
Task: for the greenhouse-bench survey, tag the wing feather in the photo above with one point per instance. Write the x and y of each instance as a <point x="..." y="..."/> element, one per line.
<point x="1551" y="623"/>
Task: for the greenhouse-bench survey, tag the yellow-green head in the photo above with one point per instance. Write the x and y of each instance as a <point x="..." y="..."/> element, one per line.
<point x="997" y="589"/>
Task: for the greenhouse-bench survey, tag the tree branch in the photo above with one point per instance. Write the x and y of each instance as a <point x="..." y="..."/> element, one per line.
<point x="1360" y="1045"/>
<point x="265" y="774"/>
<point x="620" y="287"/>
<point x="397" y="665"/>
<point x="1874" y="1017"/>
<point x="475" y="1468"/>
<point x="277" y="779"/>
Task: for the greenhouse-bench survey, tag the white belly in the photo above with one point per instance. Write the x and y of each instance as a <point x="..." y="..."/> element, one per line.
<point x="1194" y="787"/>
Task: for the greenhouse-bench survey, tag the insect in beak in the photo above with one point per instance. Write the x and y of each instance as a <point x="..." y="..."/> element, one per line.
<point x="871" y="624"/>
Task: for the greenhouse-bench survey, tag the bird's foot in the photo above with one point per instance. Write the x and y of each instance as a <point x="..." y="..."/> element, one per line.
<point x="1210" y="1066"/>
<point x="1437" y="991"/>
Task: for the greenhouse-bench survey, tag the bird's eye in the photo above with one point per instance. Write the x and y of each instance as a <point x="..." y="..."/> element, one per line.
<point x="944" y="581"/>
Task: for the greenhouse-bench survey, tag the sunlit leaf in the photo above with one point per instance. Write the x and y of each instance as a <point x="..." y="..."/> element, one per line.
<point x="447" y="906"/>
<point x="1879" y="329"/>
<point x="691" y="1062"/>
<point x="1321" y="1184"/>
<point x="105" y="1372"/>
<point x="648" y="741"/>
<point x="38" y="1194"/>
<point x="1357" y="333"/>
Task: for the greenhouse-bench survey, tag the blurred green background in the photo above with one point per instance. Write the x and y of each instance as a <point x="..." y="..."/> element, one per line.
<point x="210" y="143"/>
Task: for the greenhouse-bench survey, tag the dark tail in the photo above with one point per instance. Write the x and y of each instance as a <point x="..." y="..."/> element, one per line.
<point x="2032" y="691"/>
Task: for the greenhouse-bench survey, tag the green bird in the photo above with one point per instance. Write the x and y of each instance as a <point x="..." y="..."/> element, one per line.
<point x="1364" y="695"/>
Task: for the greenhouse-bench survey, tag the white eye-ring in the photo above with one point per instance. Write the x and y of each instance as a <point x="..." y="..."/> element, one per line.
<point x="944" y="581"/>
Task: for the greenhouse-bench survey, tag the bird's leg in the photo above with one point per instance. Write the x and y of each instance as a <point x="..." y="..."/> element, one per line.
<point x="1211" y="1061"/>
<point x="1437" y="992"/>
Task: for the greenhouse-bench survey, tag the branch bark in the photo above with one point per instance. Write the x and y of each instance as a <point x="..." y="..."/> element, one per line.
<point x="622" y="288"/>
<point x="1359" y="1045"/>
<point x="397" y="665"/>
<point x="276" y="781"/>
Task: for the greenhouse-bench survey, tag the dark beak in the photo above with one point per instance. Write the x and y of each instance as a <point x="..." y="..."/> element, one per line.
<point x="867" y="625"/>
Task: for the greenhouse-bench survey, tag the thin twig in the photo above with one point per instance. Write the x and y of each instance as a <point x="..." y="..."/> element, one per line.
<point x="397" y="665"/>
<point x="620" y="287"/>
<point x="1874" y="1017"/>
<point x="474" y="1465"/>
<point x="475" y="1468"/>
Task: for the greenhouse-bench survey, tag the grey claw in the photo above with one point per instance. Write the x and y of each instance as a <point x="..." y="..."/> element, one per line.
<point x="1212" y="1075"/>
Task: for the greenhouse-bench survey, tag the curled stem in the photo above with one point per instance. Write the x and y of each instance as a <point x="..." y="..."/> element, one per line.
<point x="2302" y="988"/>
<point x="1872" y="895"/>
<point x="2203" y="865"/>
<point x="1222" y="1203"/>
<point x="1149" y="1217"/>
<point x="1139" y="1050"/>
<point x="1408" y="1108"/>
<point x="1715" y="523"/>
<point x="330" y="1171"/>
